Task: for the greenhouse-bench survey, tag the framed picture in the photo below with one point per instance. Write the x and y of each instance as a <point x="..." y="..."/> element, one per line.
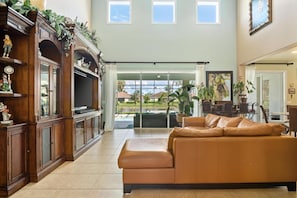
<point x="260" y="14"/>
<point x="222" y="81"/>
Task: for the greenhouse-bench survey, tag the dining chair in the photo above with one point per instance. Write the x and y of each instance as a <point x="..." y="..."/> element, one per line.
<point x="243" y="109"/>
<point x="228" y="110"/>
<point x="206" y="107"/>
<point x="287" y="128"/>
<point x="264" y="113"/>
<point x="293" y="120"/>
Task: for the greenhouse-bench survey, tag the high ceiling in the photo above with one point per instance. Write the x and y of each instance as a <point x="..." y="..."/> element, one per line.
<point x="286" y="56"/>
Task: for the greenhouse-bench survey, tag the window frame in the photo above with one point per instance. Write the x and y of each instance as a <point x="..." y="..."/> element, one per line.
<point x="123" y="2"/>
<point x="216" y="3"/>
<point x="164" y="2"/>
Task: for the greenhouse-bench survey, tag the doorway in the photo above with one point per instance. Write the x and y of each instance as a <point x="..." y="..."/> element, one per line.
<point x="271" y="91"/>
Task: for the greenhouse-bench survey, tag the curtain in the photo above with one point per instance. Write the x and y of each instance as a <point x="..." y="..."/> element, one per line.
<point x="109" y="97"/>
<point x="250" y="75"/>
<point x="200" y="77"/>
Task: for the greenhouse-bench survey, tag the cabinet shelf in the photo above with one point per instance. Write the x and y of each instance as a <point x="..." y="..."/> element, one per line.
<point x="86" y="71"/>
<point x="10" y="61"/>
<point x="11" y="95"/>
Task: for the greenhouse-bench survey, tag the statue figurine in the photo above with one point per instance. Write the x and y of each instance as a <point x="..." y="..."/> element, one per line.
<point x="6" y="46"/>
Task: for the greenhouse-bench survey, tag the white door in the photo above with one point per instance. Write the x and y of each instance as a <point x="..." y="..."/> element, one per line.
<point x="270" y="91"/>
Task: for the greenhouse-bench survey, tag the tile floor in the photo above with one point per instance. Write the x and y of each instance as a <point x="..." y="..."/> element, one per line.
<point x="96" y="175"/>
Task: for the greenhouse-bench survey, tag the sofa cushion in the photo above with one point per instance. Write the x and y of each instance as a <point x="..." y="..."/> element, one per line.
<point x="229" y="121"/>
<point x="145" y="153"/>
<point x="193" y="132"/>
<point x="254" y="130"/>
<point x="194" y="121"/>
<point x="211" y="120"/>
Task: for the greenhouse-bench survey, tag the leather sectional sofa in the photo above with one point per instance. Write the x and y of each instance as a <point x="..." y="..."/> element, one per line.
<point x="210" y="151"/>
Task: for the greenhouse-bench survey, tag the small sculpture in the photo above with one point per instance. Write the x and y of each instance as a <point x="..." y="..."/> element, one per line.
<point x="6" y="46"/>
<point x="5" y="114"/>
<point x="5" y="84"/>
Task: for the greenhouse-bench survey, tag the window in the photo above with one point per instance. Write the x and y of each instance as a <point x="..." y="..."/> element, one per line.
<point x="163" y="11"/>
<point x="207" y="12"/>
<point x="119" y="11"/>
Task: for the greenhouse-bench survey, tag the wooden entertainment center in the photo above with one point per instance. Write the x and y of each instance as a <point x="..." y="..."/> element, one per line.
<point x="50" y="121"/>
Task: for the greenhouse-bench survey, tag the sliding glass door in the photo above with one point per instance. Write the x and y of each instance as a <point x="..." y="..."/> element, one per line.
<point x="143" y="99"/>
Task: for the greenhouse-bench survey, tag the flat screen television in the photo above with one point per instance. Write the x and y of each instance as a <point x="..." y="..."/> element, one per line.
<point x="82" y="92"/>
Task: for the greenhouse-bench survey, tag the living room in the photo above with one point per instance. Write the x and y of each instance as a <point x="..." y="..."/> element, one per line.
<point x="184" y="47"/>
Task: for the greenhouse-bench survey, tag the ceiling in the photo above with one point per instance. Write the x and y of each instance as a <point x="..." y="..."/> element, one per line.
<point x="285" y="56"/>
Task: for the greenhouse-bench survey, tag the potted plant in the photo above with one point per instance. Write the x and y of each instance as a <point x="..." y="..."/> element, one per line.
<point x="205" y="93"/>
<point x="240" y="87"/>
<point x="183" y="98"/>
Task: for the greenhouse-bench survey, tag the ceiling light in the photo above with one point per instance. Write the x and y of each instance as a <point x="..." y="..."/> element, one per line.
<point x="294" y="52"/>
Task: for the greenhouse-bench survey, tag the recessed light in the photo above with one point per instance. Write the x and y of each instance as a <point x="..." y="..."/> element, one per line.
<point x="294" y="52"/>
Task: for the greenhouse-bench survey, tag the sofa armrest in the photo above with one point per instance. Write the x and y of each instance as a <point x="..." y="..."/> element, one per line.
<point x="193" y="121"/>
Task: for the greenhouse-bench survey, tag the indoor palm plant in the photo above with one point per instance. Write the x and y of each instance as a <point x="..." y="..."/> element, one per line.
<point x="183" y="97"/>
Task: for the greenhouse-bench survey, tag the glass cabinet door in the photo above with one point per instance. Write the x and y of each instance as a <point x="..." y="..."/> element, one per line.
<point x="49" y="89"/>
<point x="56" y="91"/>
<point x="46" y="145"/>
<point x="44" y="89"/>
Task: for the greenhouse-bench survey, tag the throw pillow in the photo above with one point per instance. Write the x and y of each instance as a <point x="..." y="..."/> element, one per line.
<point x="246" y="123"/>
<point x="229" y="121"/>
<point x="211" y="120"/>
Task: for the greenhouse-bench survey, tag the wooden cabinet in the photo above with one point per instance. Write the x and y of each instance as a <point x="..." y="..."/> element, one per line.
<point x="46" y="140"/>
<point x="13" y="158"/>
<point x="14" y="136"/>
<point x="50" y="149"/>
<point x="82" y="88"/>
<point x="86" y="130"/>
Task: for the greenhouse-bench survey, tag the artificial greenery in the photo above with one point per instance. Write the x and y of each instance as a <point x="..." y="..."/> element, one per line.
<point x="58" y="22"/>
<point x="91" y="35"/>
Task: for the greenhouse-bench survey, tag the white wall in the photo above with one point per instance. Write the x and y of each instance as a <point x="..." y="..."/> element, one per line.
<point x="281" y="33"/>
<point x="72" y="9"/>
<point x="183" y="41"/>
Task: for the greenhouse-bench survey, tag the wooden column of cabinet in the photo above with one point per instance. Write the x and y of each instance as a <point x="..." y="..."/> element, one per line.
<point x="14" y="136"/>
<point x="46" y="122"/>
<point x="82" y="90"/>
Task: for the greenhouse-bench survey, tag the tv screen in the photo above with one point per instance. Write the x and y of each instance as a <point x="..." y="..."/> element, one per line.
<point x="82" y="91"/>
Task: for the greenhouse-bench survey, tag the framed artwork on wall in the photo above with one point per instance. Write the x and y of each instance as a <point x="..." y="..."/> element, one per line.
<point x="222" y="82"/>
<point x="260" y="14"/>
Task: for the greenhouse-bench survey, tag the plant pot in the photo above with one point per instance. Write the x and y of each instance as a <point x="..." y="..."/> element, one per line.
<point x="179" y="117"/>
<point x="243" y="99"/>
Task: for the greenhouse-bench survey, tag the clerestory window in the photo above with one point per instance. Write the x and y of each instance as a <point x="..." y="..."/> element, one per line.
<point x="207" y="12"/>
<point x="119" y="11"/>
<point x="163" y="11"/>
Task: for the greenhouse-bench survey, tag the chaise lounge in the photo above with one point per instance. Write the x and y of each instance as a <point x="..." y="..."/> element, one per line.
<point x="212" y="151"/>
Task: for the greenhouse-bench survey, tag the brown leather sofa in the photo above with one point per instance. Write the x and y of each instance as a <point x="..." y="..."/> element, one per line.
<point x="212" y="150"/>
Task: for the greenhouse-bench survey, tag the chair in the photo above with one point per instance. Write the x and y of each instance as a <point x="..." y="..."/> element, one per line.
<point x="206" y="107"/>
<point x="293" y="120"/>
<point x="287" y="129"/>
<point x="264" y="113"/>
<point x="228" y="109"/>
<point x="243" y="109"/>
<point x="252" y="111"/>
